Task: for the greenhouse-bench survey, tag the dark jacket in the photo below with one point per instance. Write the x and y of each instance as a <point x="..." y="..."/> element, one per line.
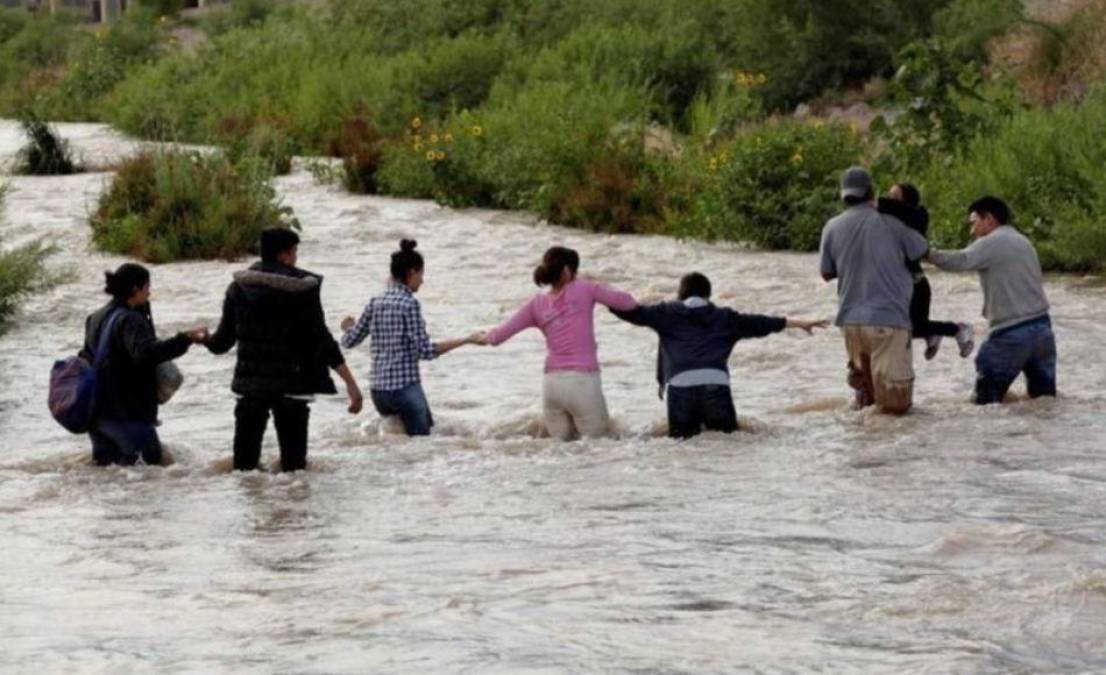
<point x="696" y="338"/>
<point x="127" y="379"/>
<point x="916" y="219"/>
<point x="275" y="315"/>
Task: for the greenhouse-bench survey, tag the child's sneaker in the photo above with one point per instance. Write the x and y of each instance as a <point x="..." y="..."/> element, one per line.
<point x="965" y="339"/>
<point x="933" y="343"/>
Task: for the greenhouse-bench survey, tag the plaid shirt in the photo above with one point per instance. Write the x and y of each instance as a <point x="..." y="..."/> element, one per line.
<point x="394" y="320"/>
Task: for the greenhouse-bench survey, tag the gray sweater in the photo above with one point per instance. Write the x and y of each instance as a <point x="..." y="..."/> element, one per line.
<point x="1009" y="271"/>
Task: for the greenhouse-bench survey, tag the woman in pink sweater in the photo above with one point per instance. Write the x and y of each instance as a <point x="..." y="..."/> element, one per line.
<point x="572" y="393"/>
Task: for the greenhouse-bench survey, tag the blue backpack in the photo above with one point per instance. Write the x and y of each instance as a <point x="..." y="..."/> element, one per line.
<point x="73" y="386"/>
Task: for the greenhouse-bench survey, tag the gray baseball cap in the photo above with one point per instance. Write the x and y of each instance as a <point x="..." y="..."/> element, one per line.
<point x="856" y="182"/>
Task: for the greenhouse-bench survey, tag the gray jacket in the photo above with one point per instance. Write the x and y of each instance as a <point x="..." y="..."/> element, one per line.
<point x="1009" y="271"/>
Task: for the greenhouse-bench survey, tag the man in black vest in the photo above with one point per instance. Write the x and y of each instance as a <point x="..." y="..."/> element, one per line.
<point x="274" y="313"/>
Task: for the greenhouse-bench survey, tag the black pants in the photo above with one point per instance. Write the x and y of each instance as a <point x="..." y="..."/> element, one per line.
<point x="691" y="409"/>
<point x="919" y="314"/>
<point x="251" y="415"/>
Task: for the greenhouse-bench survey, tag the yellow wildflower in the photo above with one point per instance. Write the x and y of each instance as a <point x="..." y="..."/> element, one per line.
<point x="439" y="155"/>
<point x="762" y="78"/>
<point x="430" y="155"/>
<point x="449" y="138"/>
<point x="433" y="138"/>
<point x="797" y="158"/>
<point x="476" y="130"/>
<point x="417" y="147"/>
<point x="416" y="122"/>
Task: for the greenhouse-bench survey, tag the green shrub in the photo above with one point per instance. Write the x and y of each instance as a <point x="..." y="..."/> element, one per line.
<point x="1048" y="166"/>
<point x="184" y="205"/>
<point x="774" y="186"/>
<point x="537" y="144"/>
<point x="46" y="153"/>
<point x="101" y="64"/>
<point x="32" y="59"/>
<point x="240" y="14"/>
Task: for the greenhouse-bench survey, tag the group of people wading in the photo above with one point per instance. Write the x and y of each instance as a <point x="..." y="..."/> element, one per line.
<point x="273" y="313"/>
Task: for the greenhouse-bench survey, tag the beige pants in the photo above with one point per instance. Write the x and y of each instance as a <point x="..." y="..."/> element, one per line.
<point x="881" y="367"/>
<point x="573" y="405"/>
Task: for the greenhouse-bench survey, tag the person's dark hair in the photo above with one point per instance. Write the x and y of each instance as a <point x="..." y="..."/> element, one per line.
<point x="910" y="195"/>
<point x="277" y="240"/>
<point x="405" y="260"/>
<point x="994" y="206"/>
<point x="124" y="281"/>
<point x="853" y="201"/>
<point x="553" y="263"/>
<point x="694" y="285"/>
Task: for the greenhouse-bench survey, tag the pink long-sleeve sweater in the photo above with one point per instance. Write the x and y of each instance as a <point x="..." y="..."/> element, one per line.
<point x="566" y="318"/>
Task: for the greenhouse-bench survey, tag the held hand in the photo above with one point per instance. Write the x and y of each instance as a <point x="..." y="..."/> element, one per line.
<point x="198" y="335"/>
<point x="348" y="323"/>
<point x="356" y="400"/>
<point x="480" y="337"/>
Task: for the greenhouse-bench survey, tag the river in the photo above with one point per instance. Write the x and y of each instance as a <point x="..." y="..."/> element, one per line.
<point x="955" y="539"/>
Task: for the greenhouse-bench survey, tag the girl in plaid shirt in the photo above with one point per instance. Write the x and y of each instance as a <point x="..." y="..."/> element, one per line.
<point x="399" y="342"/>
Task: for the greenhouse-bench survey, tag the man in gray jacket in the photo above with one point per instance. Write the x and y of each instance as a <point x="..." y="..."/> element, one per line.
<point x="1014" y="303"/>
<point x="867" y="253"/>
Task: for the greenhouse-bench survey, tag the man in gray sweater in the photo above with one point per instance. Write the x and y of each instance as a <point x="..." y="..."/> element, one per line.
<point x="1014" y="303"/>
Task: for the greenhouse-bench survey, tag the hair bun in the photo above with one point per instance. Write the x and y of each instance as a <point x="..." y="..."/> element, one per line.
<point x="408" y="244"/>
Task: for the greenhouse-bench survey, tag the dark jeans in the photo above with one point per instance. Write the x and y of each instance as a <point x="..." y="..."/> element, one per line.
<point x="411" y="406"/>
<point x="123" y="442"/>
<point x="1028" y="348"/>
<point x="251" y="415"/>
<point x="919" y="314"/>
<point x="691" y="409"/>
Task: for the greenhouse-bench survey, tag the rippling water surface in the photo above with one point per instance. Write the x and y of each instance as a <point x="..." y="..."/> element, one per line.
<point x="954" y="539"/>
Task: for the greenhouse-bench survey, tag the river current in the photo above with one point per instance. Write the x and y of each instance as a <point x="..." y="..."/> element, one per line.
<point x="955" y="539"/>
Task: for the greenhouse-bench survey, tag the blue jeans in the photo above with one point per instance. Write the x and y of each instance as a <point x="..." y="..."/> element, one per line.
<point x="411" y="406"/>
<point x="123" y="442"/>
<point x="691" y="409"/>
<point x="1028" y="348"/>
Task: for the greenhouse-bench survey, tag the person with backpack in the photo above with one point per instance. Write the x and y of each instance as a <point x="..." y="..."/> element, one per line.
<point x="274" y="313"/>
<point x="124" y="421"/>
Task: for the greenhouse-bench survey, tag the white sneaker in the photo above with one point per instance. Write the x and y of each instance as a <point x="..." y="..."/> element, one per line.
<point x="965" y="339"/>
<point x="933" y="343"/>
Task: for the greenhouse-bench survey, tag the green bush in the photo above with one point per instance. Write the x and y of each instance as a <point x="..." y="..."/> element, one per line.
<point x="1048" y="166"/>
<point x="185" y="205"/>
<point x="774" y="186"/>
<point x="33" y="55"/>
<point x="97" y="67"/>
<point x="46" y="153"/>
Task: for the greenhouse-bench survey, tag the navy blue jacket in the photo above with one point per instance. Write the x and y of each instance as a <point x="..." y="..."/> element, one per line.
<point x="700" y="337"/>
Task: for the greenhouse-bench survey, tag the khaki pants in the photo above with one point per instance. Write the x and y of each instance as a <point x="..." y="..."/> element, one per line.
<point x="881" y="367"/>
<point x="573" y="405"/>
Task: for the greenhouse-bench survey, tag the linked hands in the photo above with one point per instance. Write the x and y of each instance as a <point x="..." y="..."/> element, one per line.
<point x="348" y="323"/>
<point x="198" y="335"/>
<point x="480" y="337"/>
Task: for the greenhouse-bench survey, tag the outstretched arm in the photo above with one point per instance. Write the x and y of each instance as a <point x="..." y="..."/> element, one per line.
<point x="523" y="319"/>
<point x="614" y="298"/>
<point x="807" y="324"/>
<point x="356" y="332"/>
<point x="975" y="257"/>
<point x="647" y="316"/>
<point x="224" y="337"/>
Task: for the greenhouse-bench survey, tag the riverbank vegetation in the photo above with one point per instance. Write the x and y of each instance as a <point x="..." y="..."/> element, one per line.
<point x="46" y="153"/>
<point x="723" y="120"/>
<point x="179" y="205"/>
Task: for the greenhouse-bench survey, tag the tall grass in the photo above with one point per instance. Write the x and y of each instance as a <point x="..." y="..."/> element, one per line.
<point x="46" y="153"/>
